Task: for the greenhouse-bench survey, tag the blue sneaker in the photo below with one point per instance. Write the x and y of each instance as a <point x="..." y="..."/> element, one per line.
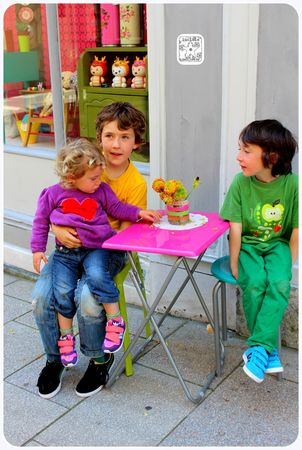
<point x="256" y="363"/>
<point x="274" y="364"/>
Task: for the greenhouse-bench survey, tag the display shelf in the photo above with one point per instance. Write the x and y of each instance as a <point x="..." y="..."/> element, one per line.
<point x="93" y="99"/>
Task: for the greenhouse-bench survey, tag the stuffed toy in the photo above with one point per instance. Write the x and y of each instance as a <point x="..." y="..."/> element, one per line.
<point x="98" y="70"/>
<point x="47" y="105"/>
<point x="66" y="79"/>
<point x="139" y="72"/>
<point x="120" y="70"/>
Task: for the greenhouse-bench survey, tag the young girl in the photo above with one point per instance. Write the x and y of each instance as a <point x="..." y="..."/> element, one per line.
<point x="262" y="207"/>
<point x="81" y="201"/>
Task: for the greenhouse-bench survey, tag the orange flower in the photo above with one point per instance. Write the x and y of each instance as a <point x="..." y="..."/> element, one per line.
<point x="158" y="185"/>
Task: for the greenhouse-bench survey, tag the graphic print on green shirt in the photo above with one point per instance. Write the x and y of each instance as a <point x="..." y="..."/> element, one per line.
<point x="268" y="219"/>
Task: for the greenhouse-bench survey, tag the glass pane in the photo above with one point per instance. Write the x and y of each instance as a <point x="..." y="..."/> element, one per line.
<point x="85" y="28"/>
<point x="28" y="117"/>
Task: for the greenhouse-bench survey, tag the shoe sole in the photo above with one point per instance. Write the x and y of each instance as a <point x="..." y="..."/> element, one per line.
<point x="53" y="393"/>
<point x="276" y="370"/>
<point x="89" y="394"/>
<point x="70" y="364"/>
<point x="251" y="375"/>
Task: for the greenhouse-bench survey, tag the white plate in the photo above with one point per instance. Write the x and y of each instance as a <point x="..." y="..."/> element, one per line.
<point x="195" y="220"/>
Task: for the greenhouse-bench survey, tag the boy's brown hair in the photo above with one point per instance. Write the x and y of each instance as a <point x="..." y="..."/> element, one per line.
<point x="126" y="116"/>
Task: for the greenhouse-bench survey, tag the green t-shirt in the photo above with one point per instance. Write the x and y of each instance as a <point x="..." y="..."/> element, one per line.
<point x="267" y="211"/>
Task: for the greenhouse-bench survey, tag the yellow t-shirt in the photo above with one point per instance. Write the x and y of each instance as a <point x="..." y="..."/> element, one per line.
<point x="130" y="187"/>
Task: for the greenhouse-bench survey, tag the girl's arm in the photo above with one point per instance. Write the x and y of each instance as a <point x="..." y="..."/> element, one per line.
<point x="235" y="244"/>
<point x="294" y="244"/>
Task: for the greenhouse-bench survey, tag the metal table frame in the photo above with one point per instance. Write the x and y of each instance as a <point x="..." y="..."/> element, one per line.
<point x="199" y="397"/>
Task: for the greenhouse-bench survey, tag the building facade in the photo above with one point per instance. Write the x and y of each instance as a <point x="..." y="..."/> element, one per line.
<point x="195" y="114"/>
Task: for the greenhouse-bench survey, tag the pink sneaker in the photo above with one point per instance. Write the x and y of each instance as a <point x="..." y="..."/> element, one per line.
<point x="114" y="337"/>
<point x="67" y="349"/>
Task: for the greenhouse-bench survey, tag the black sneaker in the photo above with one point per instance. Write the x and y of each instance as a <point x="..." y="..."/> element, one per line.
<point x="95" y="377"/>
<point x="49" y="381"/>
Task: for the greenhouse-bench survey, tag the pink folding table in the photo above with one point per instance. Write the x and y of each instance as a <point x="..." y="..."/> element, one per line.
<point x="184" y="244"/>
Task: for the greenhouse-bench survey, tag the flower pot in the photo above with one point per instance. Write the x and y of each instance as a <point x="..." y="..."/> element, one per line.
<point x="178" y="212"/>
<point x="23" y="40"/>
<point x="22" y="127"/>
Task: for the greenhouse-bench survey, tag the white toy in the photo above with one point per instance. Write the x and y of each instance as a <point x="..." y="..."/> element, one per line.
<point x="120" y="70"/>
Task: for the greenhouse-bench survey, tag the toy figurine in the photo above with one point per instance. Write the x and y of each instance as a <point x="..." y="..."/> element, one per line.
<point x="98" y="70"/>
<point x="120" y="69"/>
<point x="139" y="72"/>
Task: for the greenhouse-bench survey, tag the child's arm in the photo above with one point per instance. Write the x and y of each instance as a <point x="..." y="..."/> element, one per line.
<point x="294" y="244"/>
<point x="37" y="258"/>
<point x="235" y="244"/>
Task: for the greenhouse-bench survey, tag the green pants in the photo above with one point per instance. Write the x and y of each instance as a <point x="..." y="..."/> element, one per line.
<point x="264" y="277"/>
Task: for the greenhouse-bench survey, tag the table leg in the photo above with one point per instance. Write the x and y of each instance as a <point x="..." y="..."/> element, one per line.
<point x="149" y="317"/>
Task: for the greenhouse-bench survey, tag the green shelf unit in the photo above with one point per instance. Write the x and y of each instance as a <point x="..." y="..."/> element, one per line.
<point x="93" y="99"/>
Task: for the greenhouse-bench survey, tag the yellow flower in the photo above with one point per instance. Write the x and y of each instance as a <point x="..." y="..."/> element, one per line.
<point x="170" y="187"/>
<point x="172" y="190"/>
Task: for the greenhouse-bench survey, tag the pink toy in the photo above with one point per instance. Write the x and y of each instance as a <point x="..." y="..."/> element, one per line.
<point x="98" y="69"/>
<point x="139" y="72"/>
<point x="120" y="69"/>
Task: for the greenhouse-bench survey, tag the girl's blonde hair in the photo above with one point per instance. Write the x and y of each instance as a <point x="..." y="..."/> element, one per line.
<point x="76" y="158"/>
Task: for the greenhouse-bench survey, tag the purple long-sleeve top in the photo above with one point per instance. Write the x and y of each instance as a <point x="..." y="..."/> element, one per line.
<point x="87" y="213"/>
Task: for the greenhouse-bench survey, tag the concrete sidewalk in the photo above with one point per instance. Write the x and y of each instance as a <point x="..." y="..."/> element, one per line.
<point x="149" y="408"/>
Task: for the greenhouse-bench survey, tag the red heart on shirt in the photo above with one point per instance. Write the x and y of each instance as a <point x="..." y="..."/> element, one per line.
<point x="86" y="209"/>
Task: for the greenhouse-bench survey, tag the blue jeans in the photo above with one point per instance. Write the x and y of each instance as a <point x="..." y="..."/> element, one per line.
<point x="90" y="314"/>
<point x="68" y="265"/>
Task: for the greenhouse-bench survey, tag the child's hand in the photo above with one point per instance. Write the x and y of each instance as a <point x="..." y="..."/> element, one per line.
<point x="37" y="258"/>
<point x="234" y="270"/>
<point x="150" y="215"/>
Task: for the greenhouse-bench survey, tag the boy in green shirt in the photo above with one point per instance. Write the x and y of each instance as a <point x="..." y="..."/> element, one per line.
<point x="262" y="207"/>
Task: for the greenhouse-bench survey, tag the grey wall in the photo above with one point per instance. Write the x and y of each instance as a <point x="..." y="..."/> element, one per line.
<point x="193" y="99"/>
<point x="278" y="75"/>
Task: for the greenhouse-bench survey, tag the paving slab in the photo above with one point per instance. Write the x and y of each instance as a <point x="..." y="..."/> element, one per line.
<point x="26" y="378"/>
<point x="242" y="413"/>
<point x="21" y="346"/>
<point x="193" y="349"/>
<point x="135" y="317"/>
<point x="25" y="414"/>
<point x="20" y="288"/>
<point x="28" y="319"/>
<point x="14" y="308"/>
<point x="136" y="411"/>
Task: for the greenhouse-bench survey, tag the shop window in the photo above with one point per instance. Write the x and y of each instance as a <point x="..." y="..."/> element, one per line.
<point x="102" y="30"/>
<point x="27" y="87"/>
<point x="113" y="32"/>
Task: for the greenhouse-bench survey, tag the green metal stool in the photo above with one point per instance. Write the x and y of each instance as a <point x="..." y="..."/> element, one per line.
<point x="119" y="281"/>
<point x="222" y="271"/>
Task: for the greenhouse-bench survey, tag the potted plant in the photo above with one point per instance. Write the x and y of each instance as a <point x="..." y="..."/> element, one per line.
<point x="175" y="196"/>
<point x="23" y="36"/>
